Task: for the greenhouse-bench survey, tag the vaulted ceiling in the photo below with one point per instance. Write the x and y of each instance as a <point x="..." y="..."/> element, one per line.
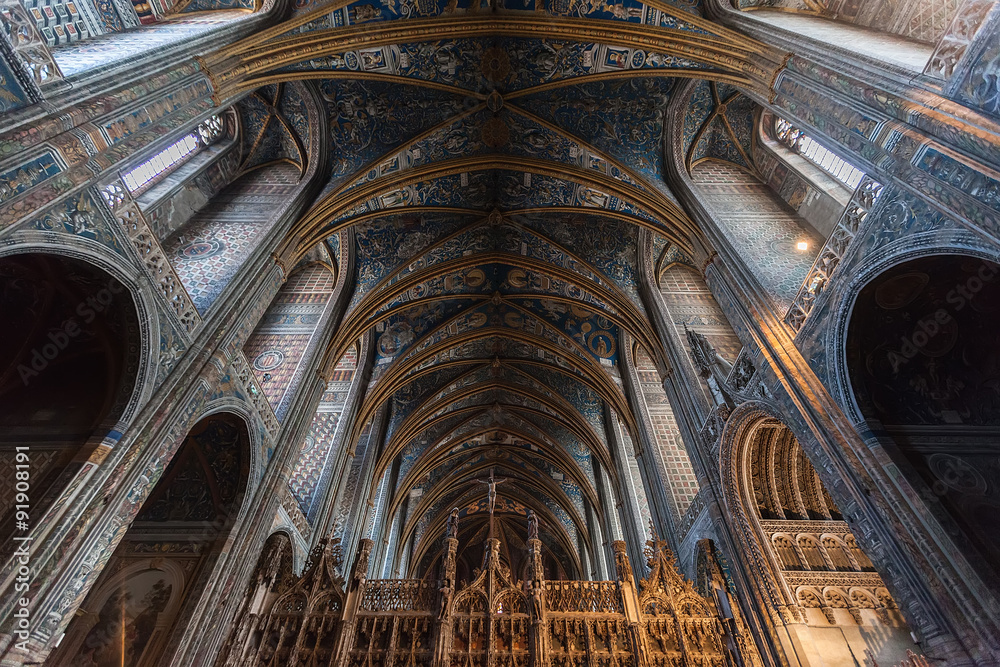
<point x="496" y="164"/>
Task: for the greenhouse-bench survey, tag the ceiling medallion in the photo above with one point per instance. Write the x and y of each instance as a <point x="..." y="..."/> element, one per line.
<point x="496" y="64"/>
<point x="602" y="343"/>
<point x="495" y="132"/>
<point x="494" y="102"/>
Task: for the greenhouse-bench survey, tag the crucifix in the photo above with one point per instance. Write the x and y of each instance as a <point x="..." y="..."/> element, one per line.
<point x="491" y="483"/>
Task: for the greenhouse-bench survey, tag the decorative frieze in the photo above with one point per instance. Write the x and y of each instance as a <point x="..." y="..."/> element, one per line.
<point x="957" y="38"/>
<point x="129" y="216"/>
<point x="20" y="29"/>
<point x="854" y="216"/>
<point x="255" y="394"/>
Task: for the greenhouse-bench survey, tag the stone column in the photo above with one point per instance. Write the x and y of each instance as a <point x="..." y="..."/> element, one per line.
<point x="446" y="627"/>
<point x="653" y="471"/>
<point x="536" y="592"/>
<point x="628" y="504"/>
<point x="328" y="495"/>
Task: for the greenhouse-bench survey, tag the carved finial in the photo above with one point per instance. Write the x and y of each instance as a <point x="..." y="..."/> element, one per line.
<point x="701" y="350"/>
<point x="359" y="573"/>
<point x="655" y="547"/>
<point x="622" y="566"/>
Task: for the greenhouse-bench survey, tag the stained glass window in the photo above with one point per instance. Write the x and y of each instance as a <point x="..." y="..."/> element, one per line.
<point x="142" y="175"/>
<point x="807" y="147"/>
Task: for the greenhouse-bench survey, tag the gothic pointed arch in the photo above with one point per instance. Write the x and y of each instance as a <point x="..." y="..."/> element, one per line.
<point x="920" y="324"/>
<point x="74" y="365"/>
<point x="144" y="598"/>
<point x="808" y="570"/>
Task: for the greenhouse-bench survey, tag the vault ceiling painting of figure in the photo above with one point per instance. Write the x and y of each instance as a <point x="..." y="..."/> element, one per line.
<point x="496" y="181"/>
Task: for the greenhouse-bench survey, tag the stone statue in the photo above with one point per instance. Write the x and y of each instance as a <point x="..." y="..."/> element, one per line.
<point x="532" y="525"/>
<point x="446" y="592"/>
<point x="452" y="530"/>
<point x="536" y="600"/>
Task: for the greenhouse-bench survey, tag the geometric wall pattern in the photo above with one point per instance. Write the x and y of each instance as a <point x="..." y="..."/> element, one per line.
<point x="102" y="51"/>
<point x="691" y="305"/>
<point x="317" y="448"/>
<point x="208" y="250"/>
<point x="925" y="21"/>
<point x="760" y="226"/>
<point x="277" y="348"/>
<point x="680" y="481"/>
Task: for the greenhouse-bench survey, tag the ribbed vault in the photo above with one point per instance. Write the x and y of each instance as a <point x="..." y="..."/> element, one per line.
<point x="495" y="164"/>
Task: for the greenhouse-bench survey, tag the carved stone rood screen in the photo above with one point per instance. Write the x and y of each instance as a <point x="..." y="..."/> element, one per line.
<point x="319" y="619"/>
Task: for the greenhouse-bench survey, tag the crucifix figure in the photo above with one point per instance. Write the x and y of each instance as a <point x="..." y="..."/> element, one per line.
<point x="491" y="483"/>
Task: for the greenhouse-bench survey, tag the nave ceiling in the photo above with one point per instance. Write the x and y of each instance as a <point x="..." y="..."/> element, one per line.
<point x="494" y="166"/>
<point x="560" y="270"/>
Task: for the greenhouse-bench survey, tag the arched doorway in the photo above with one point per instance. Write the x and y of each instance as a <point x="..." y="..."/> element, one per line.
<point x="830" y="604"/>
<point x="146" y="592"/>
<point x="69" y="356"/>
<point x="923" y="354"/>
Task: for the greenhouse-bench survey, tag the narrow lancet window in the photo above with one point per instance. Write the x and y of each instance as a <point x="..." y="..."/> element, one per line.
<point x="809" y="148"/>
<point x="145" y="174"/>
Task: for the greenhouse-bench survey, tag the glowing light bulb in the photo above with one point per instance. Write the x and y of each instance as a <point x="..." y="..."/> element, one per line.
<point x="802" y="245"/>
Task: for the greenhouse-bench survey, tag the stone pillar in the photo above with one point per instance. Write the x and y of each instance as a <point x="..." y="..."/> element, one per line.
<point x="630" y="601"/>
<point x="446" y="627"/>
<point x="628" y="504"/>
<point x="535" y="586"/>
<point x="597" y="535"/>
<point x="358" y="503"/>
<point x="352" y="601"/>
<point x="651" y="467"/>
<point x="385" y="526"/>
<point x="610" y="509"/>
<point x="328" y="495"/>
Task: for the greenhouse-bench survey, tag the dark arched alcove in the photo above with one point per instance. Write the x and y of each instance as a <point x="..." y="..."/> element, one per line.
<point x="147" y="592"/>
<point x="69" y="357"/>
<point x="923" y="352"/>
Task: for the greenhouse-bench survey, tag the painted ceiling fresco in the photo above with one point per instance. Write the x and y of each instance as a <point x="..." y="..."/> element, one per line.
<point x="719" y="125"/>
<point x="496" y="162"/>
<point x="274" y="127"/>
<point x="346" y="13"/>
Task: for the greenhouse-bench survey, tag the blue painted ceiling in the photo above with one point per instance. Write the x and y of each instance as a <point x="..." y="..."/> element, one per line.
<point x="497" y="188"/>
